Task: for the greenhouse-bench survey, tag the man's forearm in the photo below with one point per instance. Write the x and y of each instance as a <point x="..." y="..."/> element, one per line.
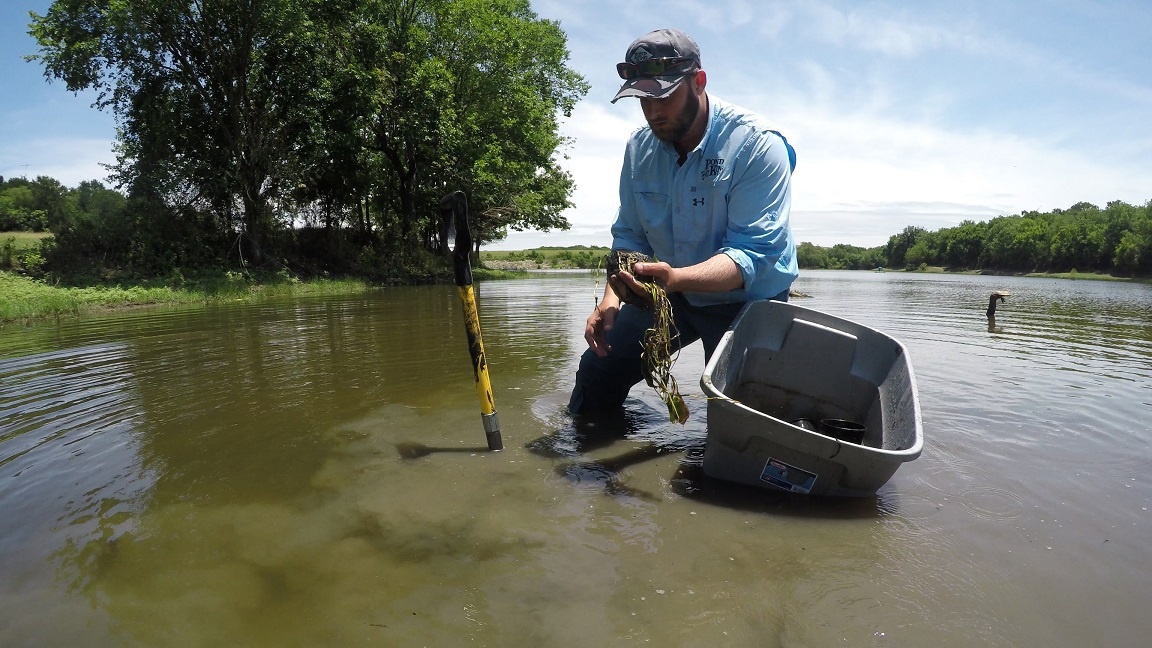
<point x="610" y="299"/>
<point x="718" y="273"/>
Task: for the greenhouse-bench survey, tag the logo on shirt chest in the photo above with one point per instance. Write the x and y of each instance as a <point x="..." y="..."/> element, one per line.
<point x="712" y="168"/>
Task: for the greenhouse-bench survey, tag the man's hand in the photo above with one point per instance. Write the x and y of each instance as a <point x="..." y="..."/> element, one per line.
<point x="660" y="272"/>
<point x="645" y="272"/>
<point x="597" y="326"/>
<point x="629" y="290"/>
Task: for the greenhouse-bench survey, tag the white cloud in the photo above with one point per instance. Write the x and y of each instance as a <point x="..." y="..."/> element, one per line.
<point x="862" y="177"/>
<point x="69" y="160"/>
<point x="902" y="115"/>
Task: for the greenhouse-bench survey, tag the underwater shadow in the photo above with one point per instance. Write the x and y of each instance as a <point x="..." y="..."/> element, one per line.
<point x="413" y="450"/>
<point x="690" y="482"/>
<point x="581" y="435"/>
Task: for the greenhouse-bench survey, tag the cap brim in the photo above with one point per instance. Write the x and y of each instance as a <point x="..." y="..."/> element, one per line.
<point x="650" y="87"/>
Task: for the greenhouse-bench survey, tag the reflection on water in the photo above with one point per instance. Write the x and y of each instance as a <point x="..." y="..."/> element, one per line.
<point x="314" y="472"/>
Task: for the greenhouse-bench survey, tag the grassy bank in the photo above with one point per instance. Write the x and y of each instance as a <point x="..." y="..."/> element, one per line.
<point x="579" y="256"/>
<point x="15" y="245"/>
<point x="1087" y="276"/>
<point x="22" y="298"/>
<point x="23" y="240"/>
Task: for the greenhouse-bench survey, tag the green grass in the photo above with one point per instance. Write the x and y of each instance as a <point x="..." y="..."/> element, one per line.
<point x="22" y="298"/>
<point x="1088" y="276"/>
<point x="1091" y="276"/>
<point x="15" y="245"/>
<point x="577" y="256"/>
<point x="24" y="240"/>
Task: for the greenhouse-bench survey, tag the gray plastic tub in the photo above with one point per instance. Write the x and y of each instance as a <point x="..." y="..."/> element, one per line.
<point x="779" y="371"/>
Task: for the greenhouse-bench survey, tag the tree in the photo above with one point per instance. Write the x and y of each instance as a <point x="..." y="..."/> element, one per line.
<point x="964" y="245"/>
<point x="212" y="97"/>
<point x="899" y="244"/>
<point x="809" y="255"/>
<point x="1079" y="242"/>
<point x="18" y="210"/>
<point x="1017" y="243"/>
<point x="920" y="254"/>
<point x="512" y="99"/>
<point x="472" y="95"/>
<point x="839" y="257"/>
<point x="1134" y="251"/>
<point x="266" y="114"/>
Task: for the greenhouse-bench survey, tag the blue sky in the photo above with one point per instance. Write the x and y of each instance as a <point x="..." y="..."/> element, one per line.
<point x="902" y="113"/>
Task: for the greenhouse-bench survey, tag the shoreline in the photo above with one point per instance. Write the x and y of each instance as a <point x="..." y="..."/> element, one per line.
<point x="23" y="299"/>
<point x="1073" y="275"/>
<point x="26" y="300"/>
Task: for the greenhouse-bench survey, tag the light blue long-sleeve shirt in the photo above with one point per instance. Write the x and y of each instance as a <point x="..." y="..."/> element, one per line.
<point x="732" y="195"/>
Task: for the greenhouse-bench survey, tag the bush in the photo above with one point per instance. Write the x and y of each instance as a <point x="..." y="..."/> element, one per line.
<point x="33" y="263"/>
<point x="146" y="239"/>
<point x="8" y="253"/>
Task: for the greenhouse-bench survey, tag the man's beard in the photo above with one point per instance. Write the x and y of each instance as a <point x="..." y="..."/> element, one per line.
<point x="677" y="129"/>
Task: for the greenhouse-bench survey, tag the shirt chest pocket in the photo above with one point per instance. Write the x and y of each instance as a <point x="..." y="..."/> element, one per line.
<point x="651" y="200"/>
<point x="652" y="207"/>
<point x="704" y="222"/>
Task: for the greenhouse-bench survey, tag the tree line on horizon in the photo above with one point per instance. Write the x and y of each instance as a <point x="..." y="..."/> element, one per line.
<point x="92" y="219"/>
<point x="1116" y="239"/>
<point x="321" y="135"/>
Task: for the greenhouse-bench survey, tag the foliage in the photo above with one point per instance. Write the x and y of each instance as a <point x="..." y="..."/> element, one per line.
<point x="577" y="256"/>
<point x="32" y="205"/>
<point x="1084" y="237"/>
<point x="8" y="253"/>
<point x="899" y="245"/>
<point x="839" y="257"/>
<point x="100" y="232"/>
<point x="250" y="120"/>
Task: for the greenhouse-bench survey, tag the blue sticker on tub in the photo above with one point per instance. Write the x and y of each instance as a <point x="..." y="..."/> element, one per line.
<point x="787" y="477"/>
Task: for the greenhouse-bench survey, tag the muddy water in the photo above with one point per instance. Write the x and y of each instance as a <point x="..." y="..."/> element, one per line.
<point x="312" y="472"/>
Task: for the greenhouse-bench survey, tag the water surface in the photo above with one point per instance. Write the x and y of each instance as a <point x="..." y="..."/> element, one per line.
<point x="312" y="472"/>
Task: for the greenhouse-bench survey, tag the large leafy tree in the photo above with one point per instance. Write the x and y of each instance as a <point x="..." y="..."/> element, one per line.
<point x="899" y="244"/>
<point x="964" y="244"/>
<point x="511" y="99"/>
<point x="470" y="98"/>
<point x="271" y="113"/>
<point x="210" y="95"/>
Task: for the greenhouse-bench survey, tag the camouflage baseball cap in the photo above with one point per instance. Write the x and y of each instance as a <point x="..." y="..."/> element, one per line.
<point x="657" y="63"/>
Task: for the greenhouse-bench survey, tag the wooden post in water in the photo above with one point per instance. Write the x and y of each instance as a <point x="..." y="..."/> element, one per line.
<point x="454" y="212"/>
<point x="997" y="295"/>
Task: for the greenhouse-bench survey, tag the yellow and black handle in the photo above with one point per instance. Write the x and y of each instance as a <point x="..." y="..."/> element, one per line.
<point x="454" y="213"/>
